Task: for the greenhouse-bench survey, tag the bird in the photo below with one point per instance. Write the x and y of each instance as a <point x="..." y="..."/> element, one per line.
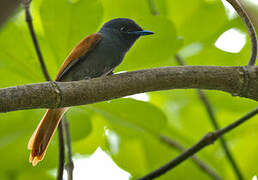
<point x="94" y="56"/>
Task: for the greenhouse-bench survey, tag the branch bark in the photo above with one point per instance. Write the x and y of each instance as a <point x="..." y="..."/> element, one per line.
<point x="239" y="81"/>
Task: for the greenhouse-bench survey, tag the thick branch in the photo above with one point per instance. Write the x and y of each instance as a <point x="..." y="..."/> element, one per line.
<point x="239" y="81"/>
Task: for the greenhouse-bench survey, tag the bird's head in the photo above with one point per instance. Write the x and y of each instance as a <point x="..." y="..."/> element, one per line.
<point x="125" y="29"/>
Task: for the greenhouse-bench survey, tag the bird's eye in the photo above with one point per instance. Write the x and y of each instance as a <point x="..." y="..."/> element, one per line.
<point x="124" y="29"/>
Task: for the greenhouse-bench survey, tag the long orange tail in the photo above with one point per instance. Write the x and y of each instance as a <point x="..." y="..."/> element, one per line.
<point x="42" y="135"/>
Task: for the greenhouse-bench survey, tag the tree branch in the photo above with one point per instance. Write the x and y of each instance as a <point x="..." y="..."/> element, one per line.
<point x="206" y="140"/>
<point x="60" y="170"/>
<point x="203" y="166"/>
<point x="251" y="30"/>
<point x="239" y="81"/>
<point x="69" y="165"/>
<point x="34" y="38"/>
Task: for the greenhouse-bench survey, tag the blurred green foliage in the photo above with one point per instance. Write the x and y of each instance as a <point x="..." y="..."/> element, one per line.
<point x="180" y="27"/>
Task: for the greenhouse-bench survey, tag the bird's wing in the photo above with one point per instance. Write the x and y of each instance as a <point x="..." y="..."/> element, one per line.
<point x="82" y="48"/>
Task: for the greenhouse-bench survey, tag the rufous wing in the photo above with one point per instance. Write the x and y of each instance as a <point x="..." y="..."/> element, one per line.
<point x="84" y="46"/>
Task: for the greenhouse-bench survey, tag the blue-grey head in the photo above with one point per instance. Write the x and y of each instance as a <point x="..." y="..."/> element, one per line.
<point x="125" y="29"/>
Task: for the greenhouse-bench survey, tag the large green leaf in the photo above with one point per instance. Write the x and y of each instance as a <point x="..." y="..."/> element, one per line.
<point x="36" y="175"/>
<point x="80" y="123"/>
<point x="129" y="114"/>
<point x="95" y="139"/>
<point x="198" y="22"/>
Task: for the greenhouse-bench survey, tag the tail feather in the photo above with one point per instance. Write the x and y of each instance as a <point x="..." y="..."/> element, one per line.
<point x="42" y="135"/>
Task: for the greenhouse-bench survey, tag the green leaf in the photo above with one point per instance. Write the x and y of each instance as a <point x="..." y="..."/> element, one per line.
<point x="3" y="176"/>
<point x="16" y="129"/>
<point x="131" y="156"/>
<point x="131" y="114"/>
<point x="212" y="55"/>
<point x="21" y="66"/>
<point x="95" y="139"/>
<point x="80" y="123"/>
<point x="195" y="20"/>
<point x="39" y="175"/>
<point x="65" y="23"/>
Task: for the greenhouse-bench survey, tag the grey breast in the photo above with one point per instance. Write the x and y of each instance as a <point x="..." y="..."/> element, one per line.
<point x="100" y="61"/>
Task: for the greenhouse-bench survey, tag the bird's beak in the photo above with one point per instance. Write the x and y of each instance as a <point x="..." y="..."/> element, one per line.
<point x="141" y="33"/>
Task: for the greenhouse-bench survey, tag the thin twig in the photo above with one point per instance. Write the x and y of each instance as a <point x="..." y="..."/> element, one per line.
<point x="26" y="4"/>
<point x="203" y="97"/>
<point x="250" y="27"/>
<point x="69" y="166"/>
<point x="206" y="140"/>
<point x="60" y="170"/>
<point x="202" y="165"/>
<point x="34" y="38"/>
<point x="225" y="147"/>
